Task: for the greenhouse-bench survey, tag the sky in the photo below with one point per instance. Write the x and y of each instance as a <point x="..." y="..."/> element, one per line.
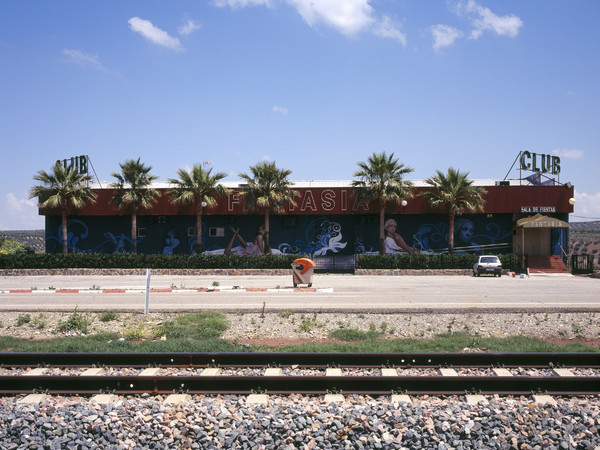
<point x="314" y="85"/>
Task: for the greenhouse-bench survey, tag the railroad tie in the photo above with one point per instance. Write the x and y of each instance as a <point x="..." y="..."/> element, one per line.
<point x="502" y="373"/>
<point x="257" y="399"/>
<point x="544" y="400"/>
<point x="33" y="399"/>
<point x="476" y="399"/>
<point x="105" y="399"/>
<point x="563" y="372"/>
<point x="93" y="371"/>
<point x="401" y="398"/>
<point x="333" y="398"/>
<point x="176" y="399"/>
<point x="36" y="372"/>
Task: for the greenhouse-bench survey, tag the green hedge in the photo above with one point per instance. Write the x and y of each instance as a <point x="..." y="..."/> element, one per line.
<point x="425" y="261"/>
<point x="139" y="261"/>
<point x="204" y="261"/>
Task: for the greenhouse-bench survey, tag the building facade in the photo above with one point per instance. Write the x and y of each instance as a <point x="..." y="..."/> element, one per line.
<point x="326" y="219"/>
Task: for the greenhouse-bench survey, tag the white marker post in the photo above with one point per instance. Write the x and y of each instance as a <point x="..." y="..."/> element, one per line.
<point x="147" y="291"/>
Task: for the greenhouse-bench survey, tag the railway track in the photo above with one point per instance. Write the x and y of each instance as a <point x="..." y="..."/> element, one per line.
<point x="301" y="373"/>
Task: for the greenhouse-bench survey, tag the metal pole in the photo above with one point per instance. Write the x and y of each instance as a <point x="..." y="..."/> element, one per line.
<point x="147" y="291"/>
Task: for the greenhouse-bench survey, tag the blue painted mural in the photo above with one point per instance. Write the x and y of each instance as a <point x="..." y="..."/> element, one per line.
<point x="304" y="234"/>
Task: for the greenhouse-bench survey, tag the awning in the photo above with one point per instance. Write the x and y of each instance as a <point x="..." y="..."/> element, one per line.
<point x="541" y="221"/>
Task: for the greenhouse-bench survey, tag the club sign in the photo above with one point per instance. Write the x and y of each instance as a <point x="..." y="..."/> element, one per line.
<point x="78" y="163"/>
<point x="547" y="163"/>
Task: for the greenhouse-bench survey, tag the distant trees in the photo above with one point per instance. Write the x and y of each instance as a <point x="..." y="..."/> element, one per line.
<point x="454" y="194"/>
<point x="198" y="187"/>
<point x="13" y="247"/>
<point x="63" y="188"/>
<point x="267" y="189"/>
<point x="381" y="180"/>
<point x="134" y="192"/>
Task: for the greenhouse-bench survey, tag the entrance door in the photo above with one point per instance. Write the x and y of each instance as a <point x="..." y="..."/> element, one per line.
<point x="537" y="241"/>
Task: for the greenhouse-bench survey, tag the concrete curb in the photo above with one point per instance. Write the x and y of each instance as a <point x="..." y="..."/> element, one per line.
<point x="159" y="291"/>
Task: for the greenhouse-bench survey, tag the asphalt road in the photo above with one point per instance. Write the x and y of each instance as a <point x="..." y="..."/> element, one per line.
<point x="349" y="293"/>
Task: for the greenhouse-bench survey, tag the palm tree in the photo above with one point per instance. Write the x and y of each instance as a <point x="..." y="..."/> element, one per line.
<point x="133" y="192"/>
<point x="198" y="186"/>
<point x="455" y="194"/>
<point x="63" y="188"/>
<point x="268" y="189"/>
<point x="381" y="180"/>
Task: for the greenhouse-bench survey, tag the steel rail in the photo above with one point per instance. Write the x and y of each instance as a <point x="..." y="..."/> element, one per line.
<point x="302" y="359"/>
<point x="372" y="385"/>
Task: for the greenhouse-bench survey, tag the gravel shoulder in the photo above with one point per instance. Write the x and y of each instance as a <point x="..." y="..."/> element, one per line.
<point x="291" y="327"/>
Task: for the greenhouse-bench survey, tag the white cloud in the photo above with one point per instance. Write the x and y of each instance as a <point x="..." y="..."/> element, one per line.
<point x="386" y="28"/>
<point x="154" y="34"/>
<point x="486" y="20"/>
<point x="568" y="153"/>
<point x="444" y="36"/>
<point x="86" y="60"/>
<point x="242" y="3"/>
<point x="267" y="158"/>
<point x="587" y="206"/>
<point x="280" y="109"/>
<point x="189" y="27"/>
<point x="20" y="214"/>
<point x="347" y="16"/>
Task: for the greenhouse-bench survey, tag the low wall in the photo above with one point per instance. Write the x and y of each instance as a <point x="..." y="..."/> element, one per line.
<point x="224" y="272"/>
<point x="413" y="272"/>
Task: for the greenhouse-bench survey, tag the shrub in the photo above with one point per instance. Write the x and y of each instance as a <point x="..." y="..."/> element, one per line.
<point x="141" y="261"/>
<point x="107" y="316"/>
<point x="76" y="322"/>
<point x="23" y="319"/>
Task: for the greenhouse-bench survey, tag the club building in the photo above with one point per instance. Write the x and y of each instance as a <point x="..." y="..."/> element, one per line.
<point x="522" y="216"/>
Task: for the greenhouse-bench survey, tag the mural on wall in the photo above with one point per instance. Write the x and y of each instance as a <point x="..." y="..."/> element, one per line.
<point x="429" y="234"/>
<point x="491" y="237"/>
<point x="321" y="236"/>
<point x="303" y="234"/>
<point x="77" y="234"/>
<point x="244" y="247"/>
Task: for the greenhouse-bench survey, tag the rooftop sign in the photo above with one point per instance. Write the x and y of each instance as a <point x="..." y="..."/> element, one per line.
<point x="547" y="163"/>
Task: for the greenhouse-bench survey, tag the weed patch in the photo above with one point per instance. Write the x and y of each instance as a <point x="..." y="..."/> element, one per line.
<point x="75" y="322"/>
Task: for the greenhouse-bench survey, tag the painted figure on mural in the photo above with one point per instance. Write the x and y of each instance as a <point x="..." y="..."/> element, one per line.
<point x="394" y="243"/>
<point x="464" y="232"/>
<point x="247" y="248"/>
<point x="171" y="242"/>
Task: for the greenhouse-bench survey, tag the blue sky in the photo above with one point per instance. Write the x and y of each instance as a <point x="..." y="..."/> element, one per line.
<point x="315" y="85"/>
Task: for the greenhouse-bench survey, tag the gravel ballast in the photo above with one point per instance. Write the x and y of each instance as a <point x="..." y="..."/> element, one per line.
<point x="294" y="422"/>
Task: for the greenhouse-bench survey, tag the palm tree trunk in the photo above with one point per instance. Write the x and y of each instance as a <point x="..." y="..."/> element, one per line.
<point x="381" y="230"/>
<point x="133" y="233"/>
<point x="451" y="233"/>
<point x="64" y="231"/>
<point x="267" y="232"/>
<point x="199" y="230"/>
